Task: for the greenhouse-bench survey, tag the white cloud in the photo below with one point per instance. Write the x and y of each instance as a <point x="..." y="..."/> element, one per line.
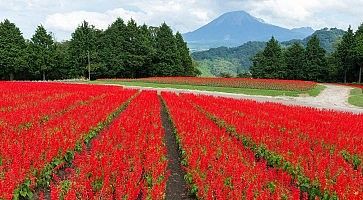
<point x="172" y="12"/>
<point x="69" y="21"/>
<point x="318" y="14"/>
<point x="63" y="16"/>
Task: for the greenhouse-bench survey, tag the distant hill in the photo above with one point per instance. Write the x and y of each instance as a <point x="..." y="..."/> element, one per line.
<point x="235" y="60"/>
<point x="227" y="60"/>
<point x="235" y="28"/>
<point x="328" y="38"/>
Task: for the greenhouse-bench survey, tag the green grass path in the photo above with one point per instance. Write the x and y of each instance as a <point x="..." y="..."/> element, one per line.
<point x="356" y="97"/>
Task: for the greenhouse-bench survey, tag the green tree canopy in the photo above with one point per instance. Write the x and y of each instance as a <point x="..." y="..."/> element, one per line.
<point x="185" y="58"/>
<point x="121" y="51"/>
<point x="148" y="51"/>
<point x="358" y="51"/>
<point x="269" y="63"/>
<point x="12" y="50"/>
<point x="84" y="42"/>
<point x="316" y="62"/>
<point x="344" y="54"/>
<point x="113" y="50"/>
<point x="138" y="49"/>
<point x="295" y="60"/>
<point x="42" y="52"/>
<point x="166" y="61"/>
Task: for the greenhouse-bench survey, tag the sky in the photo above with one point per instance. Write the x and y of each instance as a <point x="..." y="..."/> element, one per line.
<point x="61" y="17"/>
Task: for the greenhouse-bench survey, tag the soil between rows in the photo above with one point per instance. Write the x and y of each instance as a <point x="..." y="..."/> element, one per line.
<point x="176" y="187"/>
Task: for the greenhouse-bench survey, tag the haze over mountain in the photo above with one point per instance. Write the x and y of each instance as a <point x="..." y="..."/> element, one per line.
<point x="235" y="28"/>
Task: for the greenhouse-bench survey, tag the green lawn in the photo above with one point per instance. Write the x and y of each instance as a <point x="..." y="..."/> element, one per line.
<point x="356" y="97"/>
<point x="262" y="92"/>
<point x="316" y="90"/>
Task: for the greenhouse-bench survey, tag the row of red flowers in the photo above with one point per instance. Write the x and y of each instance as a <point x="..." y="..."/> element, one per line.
<point x="271" y="84"/>
<point x="229" y="147"/>
<point x="34" y="136"/>
<point x="326" y="146"/>
<point x="355" y="85"/>
<point x="128" y="161"/>
<point x="218" y="165"/>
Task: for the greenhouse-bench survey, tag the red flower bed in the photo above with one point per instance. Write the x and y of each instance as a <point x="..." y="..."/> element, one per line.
<point x="230" y="149"/>
<point x="218" y="165"/>
<point x="32" y="136"/>
<point x="270" y="84"/>
<point x="355" y="85"/>
<point x="127" y="161"/>
<point x="327" y="146"/>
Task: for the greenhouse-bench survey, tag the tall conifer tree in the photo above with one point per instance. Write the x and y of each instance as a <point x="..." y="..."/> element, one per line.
<point x="83" y="45"/>
<point x="42" y="52"/>
<point x="344" y="54"/>
<point x="12" y="50"/>
<point x="294" y="59"/>
<point x="316" y="62"/>
<point x="166" y="61"/>
<point x="358" y="51"/>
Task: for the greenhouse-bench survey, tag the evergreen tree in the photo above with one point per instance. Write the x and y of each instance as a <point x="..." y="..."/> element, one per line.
<point x="60" y="71"/>
<point x="148" y="51"/>
<point x="12" y="50"/>
<point x="344" y="54"/>
<point x="358" y="51"/>
<point x="113" y="50"/>
<point x="166" y="61"/>
<point x="186" y="59"/>
<point x="316" y="62"/>
<point x="269" y="63"/>
<point x="137" y="49"/>
<point x="83" y="45"/>
<point x="334" y="68"/>
<point x="257" y="69"/>
<point x="295" y="61"/>
<point x="42" y="52"/>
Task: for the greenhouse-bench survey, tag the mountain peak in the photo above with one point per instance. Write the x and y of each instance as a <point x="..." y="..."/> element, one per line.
<point x="236" y="13"/>
<point x="236" y="17"/>
<point x="237" y="27"/>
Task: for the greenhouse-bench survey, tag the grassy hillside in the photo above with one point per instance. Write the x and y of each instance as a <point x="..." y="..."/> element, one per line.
<point x="227" y="60"/>
<point x="216" y="67"/>
<point x="236" y="60"/>
<point x="328" y="38"/>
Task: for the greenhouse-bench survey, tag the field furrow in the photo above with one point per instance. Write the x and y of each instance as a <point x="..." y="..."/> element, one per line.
<point x="127" y="160"/>
<point x="302" y="142"/>
<point x="217" y="166"/>
<point x="25" y="153"/>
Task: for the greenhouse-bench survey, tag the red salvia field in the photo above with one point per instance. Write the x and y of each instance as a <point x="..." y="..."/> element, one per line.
<point x="271" y="84"/>
<point x="129" y="150"/>
<point x="74" y="141"/>
<point x="355" y="85"/>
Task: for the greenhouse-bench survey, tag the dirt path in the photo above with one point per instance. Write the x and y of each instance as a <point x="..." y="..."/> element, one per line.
<point x="334" y="97"/>
<point x="176" y="187"/>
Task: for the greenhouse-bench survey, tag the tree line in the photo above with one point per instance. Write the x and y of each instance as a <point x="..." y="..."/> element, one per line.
<point x="123" y="50"/>
<point x="344" y="64"/>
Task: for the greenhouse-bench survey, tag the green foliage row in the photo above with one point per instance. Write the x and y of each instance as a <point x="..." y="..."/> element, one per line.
<point x="123" y="50"/>
<point x="312" y="63"/>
